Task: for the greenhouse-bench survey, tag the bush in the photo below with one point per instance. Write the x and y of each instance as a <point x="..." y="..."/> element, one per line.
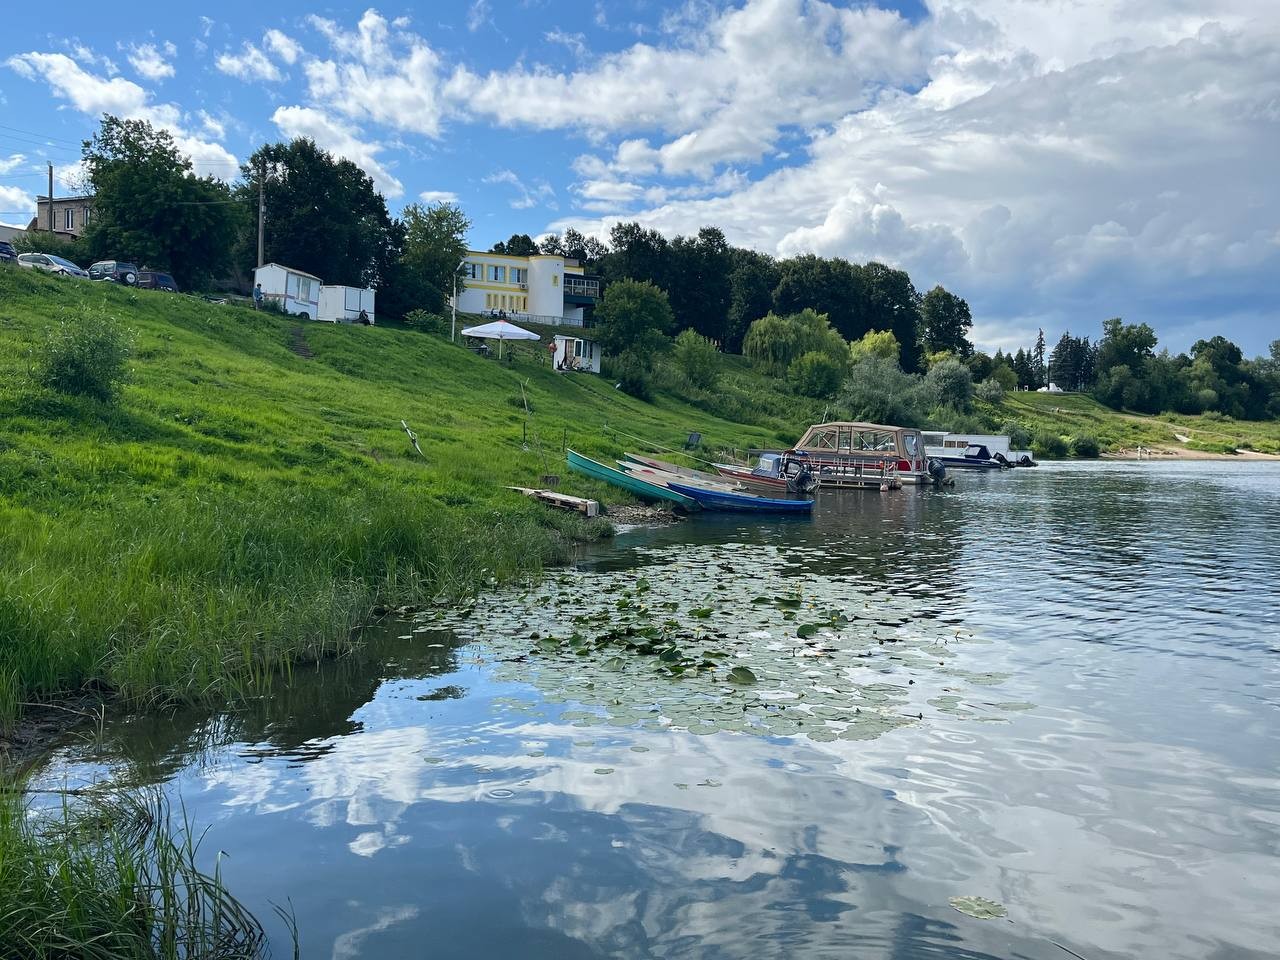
<point x="775" y="342"/>
<point x="632" y="375"/>
<point x="950" y="384"/>
<point x="428" y="322"/>
<point x="83" y="357"/>
<point x="1085" y="447"/>
<point x="1019" y="434"/>
<point x="698" y="359"/>
<point x="879" y="392"/>
<point x="816" y="374"/>
<point x="990" y="390"/>
<point x="1049" y="446"/>
<point x="876" y="343"/>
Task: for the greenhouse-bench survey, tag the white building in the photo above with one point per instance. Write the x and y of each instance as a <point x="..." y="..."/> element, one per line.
<point x="574" y="353"/>
<point x="344" y="304"/>
<point x="297" y="292"/>
<point x="543" y="288"/>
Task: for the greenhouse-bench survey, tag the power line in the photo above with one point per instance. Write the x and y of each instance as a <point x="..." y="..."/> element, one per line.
<point x="36" y="133"/>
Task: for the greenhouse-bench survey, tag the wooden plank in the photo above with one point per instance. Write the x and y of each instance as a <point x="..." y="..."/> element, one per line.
<point x="589" y="508"/>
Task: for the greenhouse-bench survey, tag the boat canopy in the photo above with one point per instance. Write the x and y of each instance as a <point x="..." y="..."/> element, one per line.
<point x="848" y="437"/>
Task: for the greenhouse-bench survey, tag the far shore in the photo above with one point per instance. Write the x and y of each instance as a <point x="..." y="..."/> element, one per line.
<point x="1183" y="453"/>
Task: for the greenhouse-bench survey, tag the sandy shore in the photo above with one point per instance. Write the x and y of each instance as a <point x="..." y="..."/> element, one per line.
<point x="1183" y="453"/>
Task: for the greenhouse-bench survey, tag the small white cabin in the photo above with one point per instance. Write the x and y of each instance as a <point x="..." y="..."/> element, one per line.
<point x="575" y="353"/>
<point x="297" y="292"/>
<point x="343" y="304"/>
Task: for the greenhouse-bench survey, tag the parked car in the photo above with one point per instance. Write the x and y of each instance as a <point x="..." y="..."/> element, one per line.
<point x="51" y="264"/>
<point x="7" y="253"/>
<point x="117" y="270"/>
<point x="155" y="280"/>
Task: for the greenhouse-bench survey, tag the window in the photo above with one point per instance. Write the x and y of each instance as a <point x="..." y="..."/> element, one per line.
<point x="497" y="274"/>
<point x="69" y="218"/>
<point x="304" y="288"/>
<point x="555" y="279"/>
<point x="84" y="215"/>
<point x="913" y="451"/>
<point x="471" y="270"/>
<point x="519" y="275"/>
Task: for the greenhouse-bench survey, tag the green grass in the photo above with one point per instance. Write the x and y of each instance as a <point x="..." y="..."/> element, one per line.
<point x="113" y="880"/>
<point x="242" y="507"/>
<point x="1076" y="414"/>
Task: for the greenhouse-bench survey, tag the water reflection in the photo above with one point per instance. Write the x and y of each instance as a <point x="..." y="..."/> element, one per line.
<point x="413" y="802"/>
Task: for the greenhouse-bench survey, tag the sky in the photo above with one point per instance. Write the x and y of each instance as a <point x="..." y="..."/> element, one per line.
<point x="1055" y="162"/>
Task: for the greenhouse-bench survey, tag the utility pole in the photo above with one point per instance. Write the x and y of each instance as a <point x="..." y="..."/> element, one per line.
<point x="262" y="212"/>
<point x="51" y="197"/>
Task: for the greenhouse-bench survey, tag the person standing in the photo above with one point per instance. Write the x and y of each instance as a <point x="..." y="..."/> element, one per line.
<point x="257" y="296"/>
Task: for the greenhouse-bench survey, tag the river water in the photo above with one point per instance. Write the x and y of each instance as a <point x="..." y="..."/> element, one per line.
<point x="1055" y="689"/>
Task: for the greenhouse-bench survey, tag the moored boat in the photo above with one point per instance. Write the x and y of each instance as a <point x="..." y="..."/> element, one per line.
<point x="653" y="463"/>
<point x="770" y="473"/>
<point x="728" y="500"/>
<point x="974" y="457"/>
<point x="846" y="454"/>
<point x="641" y="487"/>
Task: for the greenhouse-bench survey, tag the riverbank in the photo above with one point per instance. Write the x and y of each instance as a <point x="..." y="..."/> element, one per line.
<point x="246" y="503"/>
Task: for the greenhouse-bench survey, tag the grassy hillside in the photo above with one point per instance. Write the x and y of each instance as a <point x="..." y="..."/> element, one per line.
<point x="1073" y="414"/>
<point x="243" y="505"/>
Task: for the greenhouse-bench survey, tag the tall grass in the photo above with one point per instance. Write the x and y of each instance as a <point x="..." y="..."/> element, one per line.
<point x="113" y="880"/>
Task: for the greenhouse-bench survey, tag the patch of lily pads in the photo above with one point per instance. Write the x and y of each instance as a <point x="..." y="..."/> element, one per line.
<point x="707" y="646"/>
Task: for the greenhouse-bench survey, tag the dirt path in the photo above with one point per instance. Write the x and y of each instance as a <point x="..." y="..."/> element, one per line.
<point x="298" y="343"/>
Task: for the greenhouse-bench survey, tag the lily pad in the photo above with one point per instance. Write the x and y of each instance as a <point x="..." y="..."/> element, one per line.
<point x="980" y="908"/>
<point x="742" y="675"/>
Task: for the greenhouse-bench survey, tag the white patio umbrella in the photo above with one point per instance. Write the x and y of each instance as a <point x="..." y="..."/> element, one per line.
<point x="501" y="331"/>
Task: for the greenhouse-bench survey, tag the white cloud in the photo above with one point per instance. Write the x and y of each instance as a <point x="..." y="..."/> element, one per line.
<point x="18" y="205"/>
<point x="249" y="64"/>
<point x="12" y="162"/>
<point x="282" y="45"/>
<point x="576" y="42"/>
<point x="95" y="95"/>
<point x="438" y="196"/>
<point x="338" y="139"/>
<point x="211" y="126"/>
<point x="478" y="14"/>
<point x="150" y="61"/>
<point x="540" y="193"/>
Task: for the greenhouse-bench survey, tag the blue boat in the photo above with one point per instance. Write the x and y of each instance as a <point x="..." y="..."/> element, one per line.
<point x="727" y="500"/>
<point x="640" y="487"/>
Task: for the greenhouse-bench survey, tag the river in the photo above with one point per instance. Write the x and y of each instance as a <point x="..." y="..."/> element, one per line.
<point x="1054" y="689"/>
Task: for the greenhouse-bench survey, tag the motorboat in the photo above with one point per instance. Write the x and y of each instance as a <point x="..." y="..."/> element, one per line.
<point x="726" y="500"/>
<point x="976" y="456"/>
<point x="769" y="473"/>
<point x="946" y="446"/>
<point x="849" y="454"/>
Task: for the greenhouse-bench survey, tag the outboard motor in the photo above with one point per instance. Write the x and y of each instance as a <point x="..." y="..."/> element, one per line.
<point x="802" y="482"/>
<point x="937" y="470"/>
<point x="1001" y="459"/>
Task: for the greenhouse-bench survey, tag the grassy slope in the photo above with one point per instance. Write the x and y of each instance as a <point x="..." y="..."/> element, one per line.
<point x="1075" y="414"/>
<point x="243" y="506"/>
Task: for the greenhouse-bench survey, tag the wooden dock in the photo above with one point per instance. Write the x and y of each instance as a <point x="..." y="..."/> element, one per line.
<point x="562" y="501"/>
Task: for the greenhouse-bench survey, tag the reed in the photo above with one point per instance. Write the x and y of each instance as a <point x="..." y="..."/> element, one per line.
<point x="114" y="880"/>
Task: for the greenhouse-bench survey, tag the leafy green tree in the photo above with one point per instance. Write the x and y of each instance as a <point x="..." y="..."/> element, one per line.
<point x="634" y="317"/>
<point x="434" y="247"/>
<point x="892" y="303"/>
<point x="816" y="374"/>
<point x="697" y="358"/>
<point x="775" y="342"/>
<point x="519" y="245"/>
<point x="324" y="214"/>
<point x="1021" y="365"/>
<point x="834" y="288"/>
<point x="699" y="271"/>
<point x="878" y="391"/>
<point x="989" y="390"/>
<point x="1003" y="374"/>
<point x="752" y="279"/>
<point x="950" y="384"/>
<point x="637" y="254"/>
<point x="945" y="323"/>
<point x="876" y="343"/>
<point x="1124" y="344"/>
<point x="149" y="207"/>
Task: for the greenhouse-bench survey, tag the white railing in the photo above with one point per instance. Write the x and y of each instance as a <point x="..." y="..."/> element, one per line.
<point x="548" y="320"/>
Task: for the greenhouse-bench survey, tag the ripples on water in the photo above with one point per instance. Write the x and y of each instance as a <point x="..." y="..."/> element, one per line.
<point x="419" y="804"/>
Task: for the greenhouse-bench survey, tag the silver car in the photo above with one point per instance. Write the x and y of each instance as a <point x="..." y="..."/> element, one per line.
<point x="50" y="263"/>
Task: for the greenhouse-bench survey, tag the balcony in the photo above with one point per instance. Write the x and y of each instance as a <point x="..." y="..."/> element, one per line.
<point x="580" y="291"/>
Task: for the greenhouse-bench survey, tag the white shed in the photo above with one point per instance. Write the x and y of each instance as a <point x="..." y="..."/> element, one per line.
<point x="297" y="292"/>
<point x="575" y="353"/>
<point x="343" y="304"/>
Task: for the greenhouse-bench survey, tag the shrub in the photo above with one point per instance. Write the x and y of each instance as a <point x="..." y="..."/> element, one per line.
<point x="632" y="375"/>
<point x="1085" y="447"/>
<point x="698" y="359"/>
<point x="775" y="342"/>
<point x="990" y="390"/>
<point x="876" y="343"/>
<point x="815" y="374"/>
<point x="1003" y="374"/>
<point x="949" y="383"/>
<point x="1049" y="446"/>
<point x="1019" y="434"/>
<point x="878" y="391"/>
<point x="83" y="357"/>
<point x="428" y="322"/>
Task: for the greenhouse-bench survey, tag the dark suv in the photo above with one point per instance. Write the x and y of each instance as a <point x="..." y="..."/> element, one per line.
<point x="7" y="253"/>
<point x="117" y="270"/>
<point x="155" y="280"/>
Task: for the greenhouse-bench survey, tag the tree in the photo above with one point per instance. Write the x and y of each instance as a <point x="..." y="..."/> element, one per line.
<point x="1037" y="362"/>
<point x="877" y="343"/>
<point x="877" y="391"/>
<point x="637" y="254"/>
<point x="775" y="342"/>
<point x="699" y="269"/>
<point x="1022" y="367"/>
<point x="697" y="358"/>
<point x="1124" y="344"/>
<point x="949" y="384"/>
<point x="816" y="374"/>
<point x="752" y="278"/>
<point x="519" y="245"/>
<point x="434" y="246"/>
<point x="551" y="245"/>
<point x="892" y="303"/>
<point x="323" y="213"/>
<point x="634" y="317"/>
<point x="945" y="323"/>
<point x="149" y="207"/>
<point x="833" y="288"/>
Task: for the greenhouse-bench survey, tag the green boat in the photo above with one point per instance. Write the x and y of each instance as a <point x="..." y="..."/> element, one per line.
<point x="640" y="487"/>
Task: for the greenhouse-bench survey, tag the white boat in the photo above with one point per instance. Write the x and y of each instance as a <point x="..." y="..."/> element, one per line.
<point x="950" y="446"/>
<point x="846" y="454"/>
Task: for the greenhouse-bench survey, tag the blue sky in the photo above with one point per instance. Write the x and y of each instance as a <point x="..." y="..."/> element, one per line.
<point x="1056" y="164"/>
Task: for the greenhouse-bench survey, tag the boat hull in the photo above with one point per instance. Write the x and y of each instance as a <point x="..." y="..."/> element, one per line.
<point x="741" y="502"/>
<point x="640" y="487"/>
<point x="744" y="475"/>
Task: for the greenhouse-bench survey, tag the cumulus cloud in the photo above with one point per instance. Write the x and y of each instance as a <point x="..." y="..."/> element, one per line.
<point x="95" y="95"/>
<point x="438" y="196"/>
<point x="152" y="62"/>
<point x="340" y="140"/>
<point x="18" y="206"/>
<point x="249" y="64"/>
<point x="12" y="162"/>
<point x="282" y="45"/>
